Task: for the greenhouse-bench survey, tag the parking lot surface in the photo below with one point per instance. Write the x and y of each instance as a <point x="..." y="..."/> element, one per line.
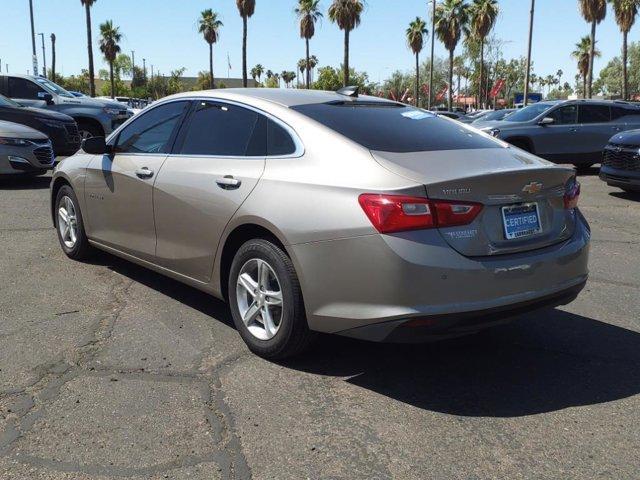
<point x="108" y="370"/>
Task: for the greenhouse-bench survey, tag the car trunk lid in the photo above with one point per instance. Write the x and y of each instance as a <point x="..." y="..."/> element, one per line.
<point x="513" y="186"/>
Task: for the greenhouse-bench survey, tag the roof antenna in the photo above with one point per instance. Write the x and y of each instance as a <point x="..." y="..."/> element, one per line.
<point x="351" y="91"/>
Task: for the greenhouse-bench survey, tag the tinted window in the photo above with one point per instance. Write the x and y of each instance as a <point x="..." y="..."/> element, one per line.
<point x="224" y="130"/>
<point x="566" y="115"/>
<point x="22" y="88"/>
<point x="594" y="114"/>
<point x="280" y="142"/>
<point x="619" y="112"/>
<point x="529" y="113"/>
<point x="152" y="130"/>
<point x="393" y="127"/>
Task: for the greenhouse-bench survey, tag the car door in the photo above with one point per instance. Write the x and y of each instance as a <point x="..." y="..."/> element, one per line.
<point x="217" y="161"/>
<point x="26" y="92"/>
<point x="119" y="186"/>
<point x="557" y="141"/>
<point x="597" y="129"/>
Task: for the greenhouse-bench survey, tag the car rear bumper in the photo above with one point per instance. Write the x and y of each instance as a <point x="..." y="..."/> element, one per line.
<point x="371" y="280"/>
<point x="620" y="178"/>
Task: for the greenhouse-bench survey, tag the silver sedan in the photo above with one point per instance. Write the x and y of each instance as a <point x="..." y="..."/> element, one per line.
<point x="23" y="150"/>
<point x="328" y="212"/>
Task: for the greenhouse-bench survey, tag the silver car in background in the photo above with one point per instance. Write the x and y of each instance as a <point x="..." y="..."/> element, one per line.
<point x="328" y="212"/>
<point x="24" y="150"/>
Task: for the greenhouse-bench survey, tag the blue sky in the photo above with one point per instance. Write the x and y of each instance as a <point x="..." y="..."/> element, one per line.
<point x="165" y="33"/>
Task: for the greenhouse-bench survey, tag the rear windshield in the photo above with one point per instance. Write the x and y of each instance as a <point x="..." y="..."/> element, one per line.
<point x="392" y="127"/>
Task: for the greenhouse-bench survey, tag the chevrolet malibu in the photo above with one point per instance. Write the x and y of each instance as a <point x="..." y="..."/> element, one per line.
<point x="328" y="212"/>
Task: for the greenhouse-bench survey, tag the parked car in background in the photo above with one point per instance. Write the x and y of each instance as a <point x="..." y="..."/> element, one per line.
<point x="491" y="116"/>
<point x="567" y="131"/>
<point x="94" y="117"/>
<point x="23" y="150"/>
<point x="621" y="161"/>
<point x="460" y="117"/>
<point x="60" y="128"/>
<point x="431" y="229"/>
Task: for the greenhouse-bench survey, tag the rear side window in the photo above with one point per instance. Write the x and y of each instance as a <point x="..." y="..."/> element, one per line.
<point x="619" y="112"/>
<point x="279" y="141"/>
<point x="391" y="127"/>
<point x="224" y="130"/>
<point x="593" y="114"/>
<point x="152" y="130"/>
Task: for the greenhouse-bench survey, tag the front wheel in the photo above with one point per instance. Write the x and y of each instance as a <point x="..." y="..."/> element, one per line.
<point x="70" y="226"/>
<point x="266" y="301"/>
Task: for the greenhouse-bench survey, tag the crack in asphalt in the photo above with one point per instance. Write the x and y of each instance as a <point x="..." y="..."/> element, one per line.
<point x="31" y="401"/>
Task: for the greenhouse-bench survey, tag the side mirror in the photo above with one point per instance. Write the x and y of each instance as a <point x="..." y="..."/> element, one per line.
<point x="96" y="146"/>
<point x="47" y="97"/>
<point x="546" y="121"/>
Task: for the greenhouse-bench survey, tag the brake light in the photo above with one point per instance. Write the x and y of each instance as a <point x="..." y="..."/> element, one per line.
<point x="398" y="213"/>
<point x="572" y="194"/>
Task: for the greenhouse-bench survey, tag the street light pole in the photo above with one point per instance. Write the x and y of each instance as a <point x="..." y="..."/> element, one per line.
<point x="133" y="64"/>
<point x="33" y="40"/>
<point x="526" y="77"/>
<point x="44" y="57"/>
<point x="433" y="37"/>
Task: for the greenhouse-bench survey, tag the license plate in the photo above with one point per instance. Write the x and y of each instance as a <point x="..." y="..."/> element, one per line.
<point x="521" y="220"/>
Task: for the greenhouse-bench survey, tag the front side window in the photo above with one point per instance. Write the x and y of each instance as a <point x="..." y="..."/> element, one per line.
<point x="23" y="88"/>
<point x="594" y="114"/>
<point x="53" y="87"/>
<point x="393" y="127"/>
<point x="527" y="114"/>
<point x="152" y="131"/>
<point x="567" y="115"/>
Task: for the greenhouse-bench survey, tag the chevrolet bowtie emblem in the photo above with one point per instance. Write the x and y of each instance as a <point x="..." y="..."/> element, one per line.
<point x="533" y="187"/>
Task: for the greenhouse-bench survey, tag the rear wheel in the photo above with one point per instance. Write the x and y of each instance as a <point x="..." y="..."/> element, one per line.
<point x="70" y="226"/>
<point x="266" y="301"/>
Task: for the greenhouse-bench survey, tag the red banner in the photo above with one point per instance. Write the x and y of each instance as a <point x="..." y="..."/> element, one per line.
<point x="442" y="93"/>
<point x="497" y="87"/>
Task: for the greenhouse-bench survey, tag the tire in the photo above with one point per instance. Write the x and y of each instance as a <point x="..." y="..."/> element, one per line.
<point x="80" y="249"/>
<point x="584" y="167"/>
<point x="88" y="130"/>
<point x="290" y="335"/>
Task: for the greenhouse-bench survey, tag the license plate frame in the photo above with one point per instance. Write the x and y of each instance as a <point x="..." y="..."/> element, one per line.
<point x="520" y="209"/>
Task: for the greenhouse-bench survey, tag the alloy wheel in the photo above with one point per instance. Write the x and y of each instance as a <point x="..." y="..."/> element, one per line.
<point x="67" y="222"/>
<point x="259" y="298"/>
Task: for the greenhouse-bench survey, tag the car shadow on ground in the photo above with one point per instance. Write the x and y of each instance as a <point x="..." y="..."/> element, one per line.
<point x="633" y="196"/>
<point x="542" y="362"/>
<point x="588" y="172"/>
<point x="24" y="183"/>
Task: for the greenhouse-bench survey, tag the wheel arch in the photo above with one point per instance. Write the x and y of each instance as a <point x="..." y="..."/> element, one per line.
<point x="521" y="141"/>
<point x="237" y="236"/>
<point x="92" y="121"/>
<point x="56" y="185"/>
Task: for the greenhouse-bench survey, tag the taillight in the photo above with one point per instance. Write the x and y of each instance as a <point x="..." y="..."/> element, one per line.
<point x="397" y="213"/>
<point x="571" y="194"/>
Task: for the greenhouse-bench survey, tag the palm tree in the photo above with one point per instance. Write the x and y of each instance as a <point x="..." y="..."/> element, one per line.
<point x="313" y="63"/>
<point x="259" y="71"/>
<point x="582" y="54"/>
<point x="269" y="74"/>
<point x="593" y="11"/>
<point x="483" y="14"/>
<point x="53" y="56"/>
<point x="110" y="36"/>
<point x="209" y="26"/>
<point x="415" y="38"/>
<point x="303" y="66"/>
<point x="246" y="8"/>
<point x="308" y="12"/>
<point x="87" y="11"/>
<point x="625" y="12"/>
<point x="346" y="13"/>
<point x="288" y="77"/>
<point x="451" y="20"/>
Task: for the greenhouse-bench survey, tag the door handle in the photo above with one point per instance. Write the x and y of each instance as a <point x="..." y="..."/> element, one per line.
<point x="228" y="182"/>
<point x="144" y="172"/>
<point x="574" y="129"/>
<point x="617" y="129"/>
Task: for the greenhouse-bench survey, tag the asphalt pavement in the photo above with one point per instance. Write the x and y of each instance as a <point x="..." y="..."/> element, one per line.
<point x="108" y="370"/>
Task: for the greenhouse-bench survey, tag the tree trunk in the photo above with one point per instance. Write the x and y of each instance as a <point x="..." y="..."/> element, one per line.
<point x="92" y="80"/>
<point x="345" y="76"/>
<point x="244" y="51"/>
<point x="450" y="94"/>
<point x="417" y="80"/>
<point x="625" y="79"/>
<point x="113" y="85"/>
<point x="53" y="57"/>
<point x="591" y="59"/>
<point x="584" y="86"/>
<point x="307" y="68"/>
<point x="213" y="85"/>
<point x="480" y="83"/>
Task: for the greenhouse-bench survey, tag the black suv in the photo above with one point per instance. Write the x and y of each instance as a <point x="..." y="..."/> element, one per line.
<point x="60" y="128"/>
<point x="621" y="161"/>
